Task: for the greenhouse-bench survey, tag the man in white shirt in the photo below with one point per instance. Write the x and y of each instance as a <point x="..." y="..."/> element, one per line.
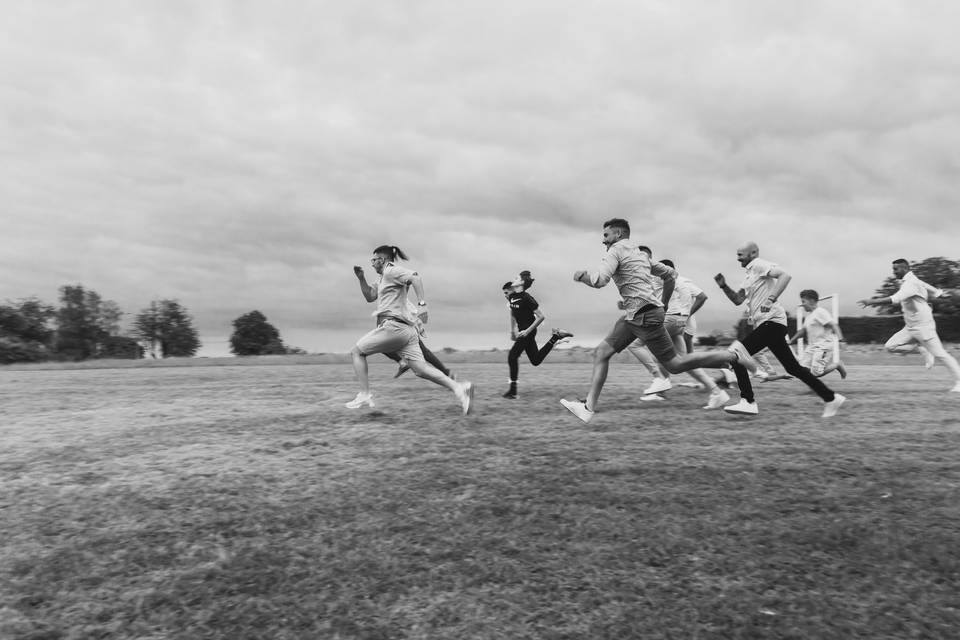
<point x="920" y="331"/>
<point x="821" y="331"/>
<point x="633" y="273"/>
<point x="761" y="288"/>
<point x="686" y="300"/>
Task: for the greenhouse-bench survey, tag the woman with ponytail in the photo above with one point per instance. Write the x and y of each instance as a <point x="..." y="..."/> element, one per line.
<point x="396" y="330"/>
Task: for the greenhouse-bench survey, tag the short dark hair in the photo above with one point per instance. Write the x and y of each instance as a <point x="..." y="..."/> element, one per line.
<point x="618" y="223"/>
<point x="507" y="285"/>
<point x="647" y="250"/>
<point x="902" y="261"/>
<point x="667" y="262"/>
<point x="392" y="252"/>
<point x="810" y="294"/>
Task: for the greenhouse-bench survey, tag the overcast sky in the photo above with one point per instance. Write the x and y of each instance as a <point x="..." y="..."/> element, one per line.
<point x="245" y="155"/>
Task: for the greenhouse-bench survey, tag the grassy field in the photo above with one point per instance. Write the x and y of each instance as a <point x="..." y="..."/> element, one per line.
<point x="246" y="502"/>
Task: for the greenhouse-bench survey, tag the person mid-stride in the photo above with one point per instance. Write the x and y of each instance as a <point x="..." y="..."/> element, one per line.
<point x="525" y="317"/>
<point x="631" y="270"/>
<point x="762" y="285"/>
<point x="396" y="328"/>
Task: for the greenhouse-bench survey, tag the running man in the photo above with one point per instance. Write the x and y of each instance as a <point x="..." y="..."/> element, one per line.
<point x="821" y="331"/>
<point x="525" y="317"/>
<point x="920" y="330"/>
<point x="396" y="328"/>
<point x="632" y="272"/>
<point x="762" y="286"/>
<point x="686" y="300"/>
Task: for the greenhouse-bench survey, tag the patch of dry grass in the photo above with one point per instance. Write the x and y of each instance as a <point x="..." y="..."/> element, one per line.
<point x="245" y="502"/>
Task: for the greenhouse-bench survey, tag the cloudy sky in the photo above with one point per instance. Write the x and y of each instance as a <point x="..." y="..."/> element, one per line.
<point x="245" y="155"/>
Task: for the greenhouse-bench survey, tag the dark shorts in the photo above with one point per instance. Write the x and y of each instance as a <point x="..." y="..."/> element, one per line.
<point x="648" y="327"/>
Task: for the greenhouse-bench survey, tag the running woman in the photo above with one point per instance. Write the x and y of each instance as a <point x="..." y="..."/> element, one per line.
<point x="821" y="331"/>
<point x="525" y="317"/>
<point x="920" y="330"/>
<point x="761" y="287"/>
<point x="634" y="274"/>
<point x="414" y="312"/>
<point x="396" y="328"/>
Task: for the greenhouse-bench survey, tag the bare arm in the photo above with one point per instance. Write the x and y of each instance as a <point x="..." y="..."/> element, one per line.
<point x="369" y="293"/>
<point x="783" y="279"/>
<point x="799" y="334"/>
<point x="538" y="319"/>
<point x="736" y="297"/>
<point x="698" y="302"/>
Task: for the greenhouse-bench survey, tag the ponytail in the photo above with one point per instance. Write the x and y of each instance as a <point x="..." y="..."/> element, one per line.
<point x="392" y="252"/>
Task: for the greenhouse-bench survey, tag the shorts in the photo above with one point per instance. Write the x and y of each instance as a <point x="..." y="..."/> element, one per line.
<point x="817" y="356"/>
<point x="392" y="336"/>
<point x="674" y="324"/>
<point x="648" y="327"/>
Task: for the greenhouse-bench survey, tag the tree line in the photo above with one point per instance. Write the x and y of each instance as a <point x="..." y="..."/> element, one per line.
<point x="83" y="325"/>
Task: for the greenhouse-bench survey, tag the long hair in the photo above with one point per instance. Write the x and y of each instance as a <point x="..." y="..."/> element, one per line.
<point x="392" y="252"/>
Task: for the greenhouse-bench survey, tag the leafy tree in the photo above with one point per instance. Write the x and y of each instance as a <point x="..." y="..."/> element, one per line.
<point x="167" y="327"/>
<point x="26" y="331"/>
<point x="84" y="321"/>
<point x="254" y="336"/>
<point x="940" y="272"/>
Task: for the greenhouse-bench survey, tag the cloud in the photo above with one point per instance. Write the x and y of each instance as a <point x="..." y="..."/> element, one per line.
<point x="245" y="155"/>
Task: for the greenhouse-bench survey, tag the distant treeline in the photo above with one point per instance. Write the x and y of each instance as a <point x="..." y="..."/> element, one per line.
<point x="85" y="326"/>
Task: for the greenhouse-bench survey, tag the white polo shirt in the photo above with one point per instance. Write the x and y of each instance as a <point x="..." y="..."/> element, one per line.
<point x="758" y="284"/>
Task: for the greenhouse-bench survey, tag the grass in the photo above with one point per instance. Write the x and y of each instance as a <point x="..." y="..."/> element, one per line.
<point x="245" y="502"/>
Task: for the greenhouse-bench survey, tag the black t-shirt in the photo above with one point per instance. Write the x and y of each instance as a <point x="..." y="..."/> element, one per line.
<point x="522" y="306"/>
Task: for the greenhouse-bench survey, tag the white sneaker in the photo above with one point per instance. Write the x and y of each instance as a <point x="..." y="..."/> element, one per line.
<point x="743" y="356"/>
<point x="361" y="399"/>
<point x="465" y="396"/>
<point x="718" y="398"/>
<point x="743" y="407"/>
<point x="578" y="409"/>
<point x="956" y="388"/>
<point x="651" y="397"/>
<point x="658" y="385"/>
<point x="830" y="409"/>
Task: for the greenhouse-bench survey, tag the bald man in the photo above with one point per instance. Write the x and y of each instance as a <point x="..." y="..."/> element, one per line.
<point x="761" y="288"/>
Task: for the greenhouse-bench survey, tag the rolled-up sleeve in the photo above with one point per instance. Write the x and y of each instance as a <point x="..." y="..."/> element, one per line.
<point x="906" y="290"/>
<point x="608" y="265"/>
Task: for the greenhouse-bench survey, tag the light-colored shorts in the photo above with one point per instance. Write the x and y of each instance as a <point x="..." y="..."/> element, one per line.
<point x="647" y="326"/>
<point x="691" y="328"/>
<point x="817" y="356"/>
<point x="674" y="324"/>
<point x="392" y="336"/>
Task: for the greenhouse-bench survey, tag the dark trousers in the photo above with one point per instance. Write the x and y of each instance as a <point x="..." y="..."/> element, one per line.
<point x="528" y="345"/>
<point x="428" y="355"/>
<point x="772" y="335"/>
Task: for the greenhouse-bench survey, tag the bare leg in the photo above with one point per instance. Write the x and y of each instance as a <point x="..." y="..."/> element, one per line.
<point x="360" y="368"/>
<point x="601" y="365"/>
<point x="428" y="372"/>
